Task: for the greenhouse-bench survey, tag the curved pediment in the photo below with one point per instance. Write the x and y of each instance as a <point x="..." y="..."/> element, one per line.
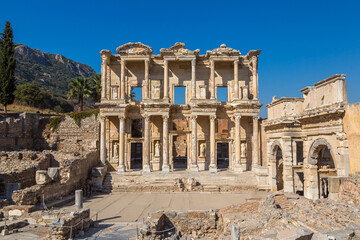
<point x="178" y="49"/>
<point x="223" y="51"/>
<point x="134" y="49"/>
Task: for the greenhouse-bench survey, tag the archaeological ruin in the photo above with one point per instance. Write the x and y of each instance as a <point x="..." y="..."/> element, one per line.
<point x="179" y="121"/>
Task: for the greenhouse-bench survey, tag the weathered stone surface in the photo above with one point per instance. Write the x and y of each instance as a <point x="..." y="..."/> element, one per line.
<point x="42" y="177"/>
<point x="295" y="234"/>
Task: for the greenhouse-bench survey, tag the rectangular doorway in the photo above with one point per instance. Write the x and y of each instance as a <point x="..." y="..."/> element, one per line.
<point x="180" y="152"/>
<point x="222" y="155"/>
<point x="136" y="156"/>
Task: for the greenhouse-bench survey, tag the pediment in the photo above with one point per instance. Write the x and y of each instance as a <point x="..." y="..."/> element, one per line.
<point x="223" y="51"/>
<point x="134" y="49"/>
<point x="178" y="49"/>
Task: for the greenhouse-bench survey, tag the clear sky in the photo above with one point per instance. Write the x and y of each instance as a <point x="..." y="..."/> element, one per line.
<point x="302" y="42"/>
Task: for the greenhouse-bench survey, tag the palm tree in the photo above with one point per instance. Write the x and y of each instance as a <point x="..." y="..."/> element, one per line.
<point x="95" y="90"/>
<point x="79" y="87"/>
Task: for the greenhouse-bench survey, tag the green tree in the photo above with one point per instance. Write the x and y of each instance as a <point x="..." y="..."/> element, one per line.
<point x="7" y="67"/>
<point x="29" y="94"/>
<point x="80" y="88"/>
<point x="95" y="87"/>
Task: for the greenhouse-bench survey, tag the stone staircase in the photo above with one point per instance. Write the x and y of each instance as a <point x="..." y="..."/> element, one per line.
<point x="179" y="181"/>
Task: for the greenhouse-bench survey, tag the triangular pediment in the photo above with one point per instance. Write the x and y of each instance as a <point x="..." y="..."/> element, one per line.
<point x="223" y="51"/>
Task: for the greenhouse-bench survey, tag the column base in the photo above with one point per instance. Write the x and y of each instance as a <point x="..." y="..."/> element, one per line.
<point x="146" y="169"/>
<point x="194" y="168"/>
<point x="121" y="169"/>
<point x="165" y="168"/>
<point x="213" y="169"/>
<point x="238" y="168"/>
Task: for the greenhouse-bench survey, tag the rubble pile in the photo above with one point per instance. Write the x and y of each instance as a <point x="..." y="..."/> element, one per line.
<point x="281" y="213"/>
<point x="17" y="161"/>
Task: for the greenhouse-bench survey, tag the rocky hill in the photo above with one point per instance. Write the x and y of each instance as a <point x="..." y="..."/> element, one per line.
<point x="50" y="72"/>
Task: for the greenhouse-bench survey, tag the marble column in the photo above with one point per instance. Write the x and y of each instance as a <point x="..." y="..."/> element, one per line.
<point x="165" y="166"/>
<point x="108" y="83"/>
<point x="236" y="79"/>
<point x="121" y="166"/>
<point x="122" y="80"/>
<point x="104" y="61"/>
<point x="212" y="79"/>
<point x="238" y="167"/>
<point x="194" y="167"/>
<point x="213" y="163"/>
<point x="255" y="78"/>
<point x="255" y="141"/>
<point x="146" y="147"/>
<point x="193" y="79"/>
<point x="103" y="140"/>
<point x="166" y="79"/>
<point x="147" y="85"/>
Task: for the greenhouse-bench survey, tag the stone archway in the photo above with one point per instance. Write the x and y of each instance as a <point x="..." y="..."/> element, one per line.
<point x="321" y="165"/>
<point x="276" y="160"/>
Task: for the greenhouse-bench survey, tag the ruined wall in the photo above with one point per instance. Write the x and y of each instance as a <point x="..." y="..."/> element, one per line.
<point x="73" y="173"/>
<point x="351" y="123"/>
<point x="17" y="131"/>
<point x="69" y="137"/>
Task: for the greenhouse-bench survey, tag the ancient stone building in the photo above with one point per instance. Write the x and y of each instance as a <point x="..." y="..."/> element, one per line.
<point x="157" y="133"/>
<point x="306" y="141"/>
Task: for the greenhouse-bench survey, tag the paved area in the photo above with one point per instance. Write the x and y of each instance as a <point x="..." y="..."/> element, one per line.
<point x="134" y="206"/>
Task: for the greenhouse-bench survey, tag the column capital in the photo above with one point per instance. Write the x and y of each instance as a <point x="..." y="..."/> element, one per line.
<point x="122" y="61"/>
<point x="193" y="117"/>
<point x="237" y="116"/>
<point x="121" y="117"/>
<point x="212" y="62"/>
<point x="147" y="61"/>
<point x="102" y="118"/>
<point x="166" y="62"/>
<point x="193" y="61"/>
<point x="165" y="117"/>
<point x="236" y="61"/>
<point x="255" y="118"/>
<point x="212" y="117"/>
<point x="146" y="117"/>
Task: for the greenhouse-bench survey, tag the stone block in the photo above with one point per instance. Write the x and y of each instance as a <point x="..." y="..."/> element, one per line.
<point x="300" y="233"/>
<point x="196" y="214"/>
<point x="54" y="173"/>
<point x="15" y="213"/>
<point x="42" y="177"/>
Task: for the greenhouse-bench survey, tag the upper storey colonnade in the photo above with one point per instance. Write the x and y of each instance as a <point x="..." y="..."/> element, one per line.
<point x="135" y="65"/>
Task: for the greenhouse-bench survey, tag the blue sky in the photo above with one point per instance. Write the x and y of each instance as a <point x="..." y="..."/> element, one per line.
<point x="302" y="42"/>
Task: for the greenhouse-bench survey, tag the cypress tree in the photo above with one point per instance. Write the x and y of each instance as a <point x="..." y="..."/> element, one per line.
<point x="7" y="67"/>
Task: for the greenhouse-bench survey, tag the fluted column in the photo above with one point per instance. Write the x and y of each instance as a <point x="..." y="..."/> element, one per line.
<point x="193" y="78"/>
<point x="194" y="167"/>
<point x="122" y="80"/>
<point x="103" y="140"/>
<point x="166" y="79"/>
<point x="212" y="79"/>
<point x="255" y="142"/>
<point x="236" y="79"/>
<point x="165" y="166"/>
<point x="146" y="147"/>
<point x="213" y="163"/>
<point x="238" y="167"/>
<point x="146" y="87"/>
<point x="121" y="166"/>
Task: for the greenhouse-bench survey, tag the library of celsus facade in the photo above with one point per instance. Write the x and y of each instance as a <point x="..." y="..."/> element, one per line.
<point x="195" y="113"/>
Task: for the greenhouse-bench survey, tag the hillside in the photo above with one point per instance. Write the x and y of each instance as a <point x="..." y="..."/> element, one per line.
<point x="50" y="72"/>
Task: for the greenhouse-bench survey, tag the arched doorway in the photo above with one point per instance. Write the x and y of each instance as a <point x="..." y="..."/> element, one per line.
<point x="279" y="169"/>
<point x="277" y="163"/>
<point x="321" y="155"/>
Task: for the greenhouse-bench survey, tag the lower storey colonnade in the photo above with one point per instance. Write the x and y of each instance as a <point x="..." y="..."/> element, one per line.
<point x="194" y="142"/>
